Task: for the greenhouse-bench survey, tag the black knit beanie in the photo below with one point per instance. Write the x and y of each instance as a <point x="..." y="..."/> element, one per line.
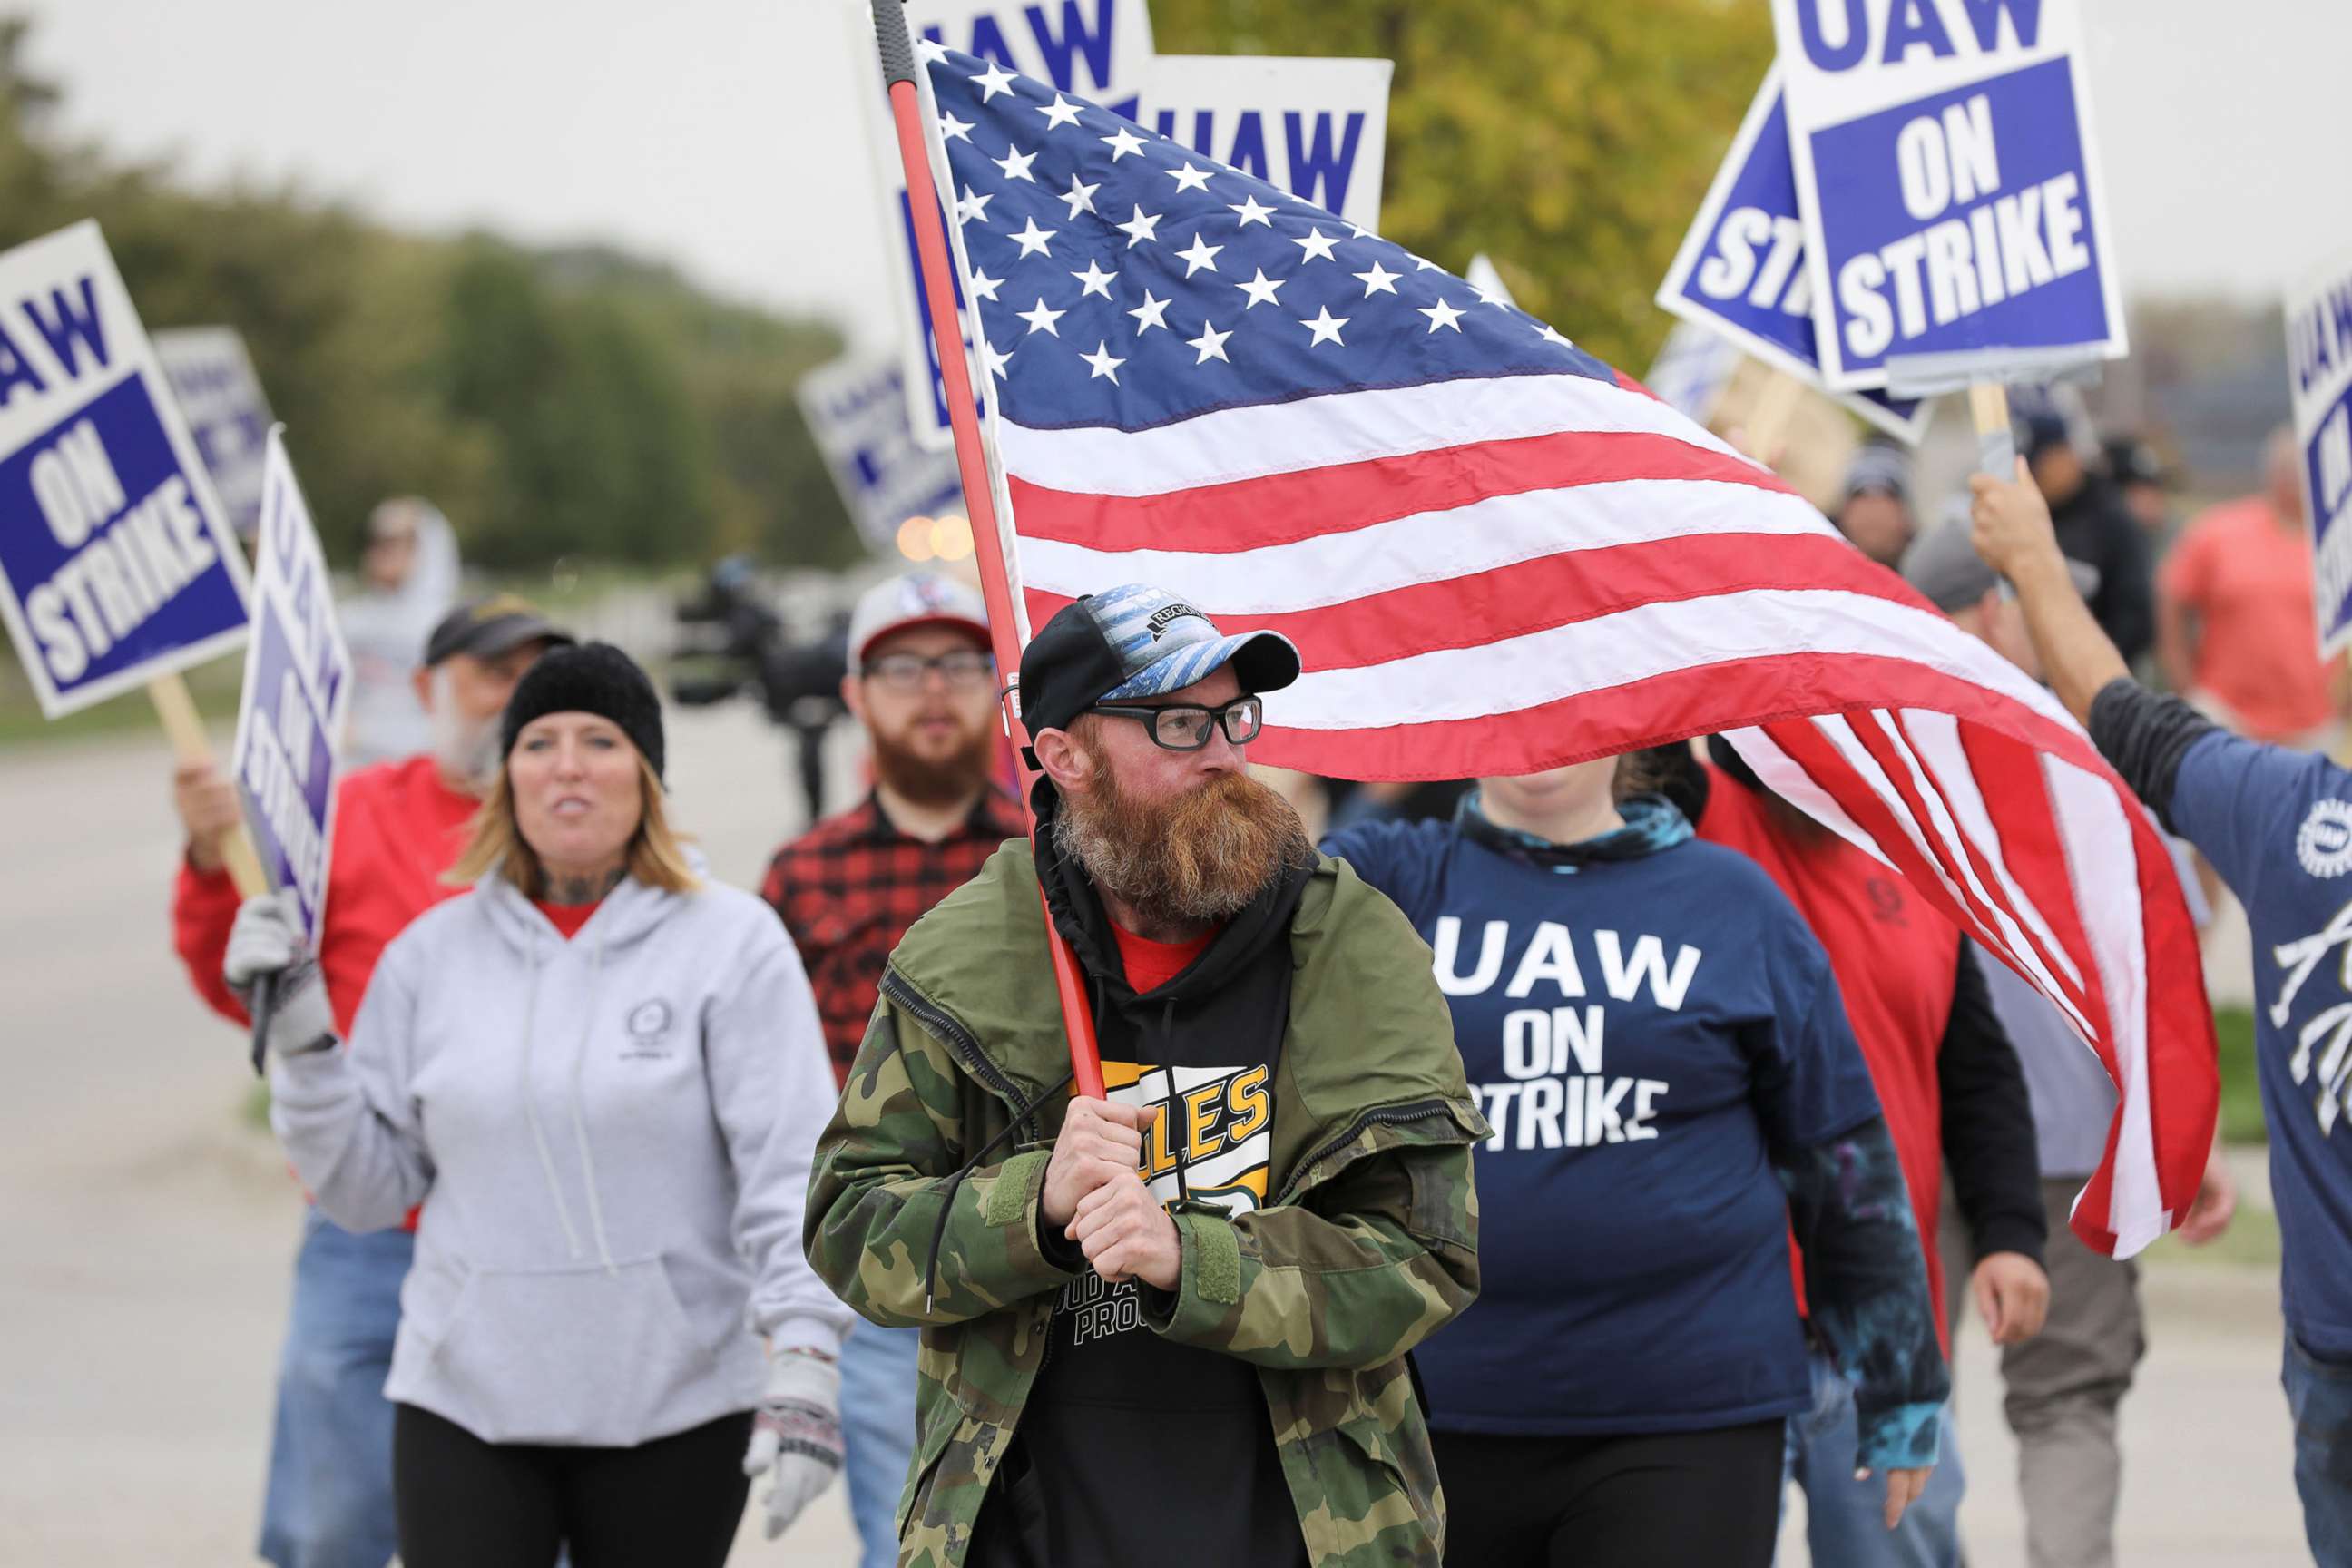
<point x="593" y="678"/>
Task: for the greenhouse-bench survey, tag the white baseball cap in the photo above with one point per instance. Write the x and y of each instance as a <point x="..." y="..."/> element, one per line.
<point x="915" y="599"/>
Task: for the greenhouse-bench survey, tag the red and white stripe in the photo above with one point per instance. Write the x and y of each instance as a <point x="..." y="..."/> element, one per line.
<point x="1499" y="575"/>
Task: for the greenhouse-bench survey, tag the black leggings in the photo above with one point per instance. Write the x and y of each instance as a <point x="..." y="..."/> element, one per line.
<point x="465" y="1503"/>
<point x="1710" y="1500"/>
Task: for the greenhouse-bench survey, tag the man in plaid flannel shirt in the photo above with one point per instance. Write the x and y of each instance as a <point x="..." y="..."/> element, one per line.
<point x="923" y="684"/>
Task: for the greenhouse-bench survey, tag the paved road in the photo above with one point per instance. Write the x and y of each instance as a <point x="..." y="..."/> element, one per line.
<point x="147" y="1226"/>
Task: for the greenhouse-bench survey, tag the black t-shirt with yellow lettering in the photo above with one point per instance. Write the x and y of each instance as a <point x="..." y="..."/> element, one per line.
<point x="1133" y="1448"/>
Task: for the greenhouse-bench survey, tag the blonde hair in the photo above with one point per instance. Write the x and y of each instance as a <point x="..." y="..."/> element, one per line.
<point x="655" y="855"/>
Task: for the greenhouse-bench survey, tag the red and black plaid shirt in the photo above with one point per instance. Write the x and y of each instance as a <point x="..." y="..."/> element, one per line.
<point x="850" y="886"/>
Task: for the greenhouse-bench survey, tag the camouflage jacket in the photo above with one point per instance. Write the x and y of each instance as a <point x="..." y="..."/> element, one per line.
<point x="1367" y="1245"/>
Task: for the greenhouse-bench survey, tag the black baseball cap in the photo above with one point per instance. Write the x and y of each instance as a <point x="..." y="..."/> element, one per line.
<point x="2132" y="461"/>
<point x="486" y="629"/>
<point x="1138" y="641"/>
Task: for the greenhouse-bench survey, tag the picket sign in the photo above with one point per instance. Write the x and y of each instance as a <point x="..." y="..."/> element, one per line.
<point x="1317" y="127"/>
<point x="118" y="568"/>
<point x="228" y="415"/>
<point x="2319" y="378"/>
<point x="297" y="696"/>
<point x="1741" y="271"/>
<point x="855" y="407"/>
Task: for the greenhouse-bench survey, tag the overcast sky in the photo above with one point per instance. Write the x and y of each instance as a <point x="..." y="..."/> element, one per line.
<point x="716" y="133"/>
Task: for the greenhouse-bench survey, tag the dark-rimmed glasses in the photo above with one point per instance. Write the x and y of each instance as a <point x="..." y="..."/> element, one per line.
<point x="1186" y="727"/>
<point x="905" y="672"/>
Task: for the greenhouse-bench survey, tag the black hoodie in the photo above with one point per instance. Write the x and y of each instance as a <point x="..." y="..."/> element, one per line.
<point x="1126" y="1437"/>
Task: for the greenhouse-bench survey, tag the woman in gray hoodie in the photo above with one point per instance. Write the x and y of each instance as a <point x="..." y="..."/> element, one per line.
<point x="601" y="1077"/>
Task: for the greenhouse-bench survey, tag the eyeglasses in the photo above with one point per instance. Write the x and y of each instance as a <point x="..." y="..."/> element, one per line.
<point x="1186" y="727"/>
<point x="905" y="672"/>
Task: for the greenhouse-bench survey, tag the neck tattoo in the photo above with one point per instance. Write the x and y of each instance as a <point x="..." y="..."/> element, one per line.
<point x="583" y="889"/>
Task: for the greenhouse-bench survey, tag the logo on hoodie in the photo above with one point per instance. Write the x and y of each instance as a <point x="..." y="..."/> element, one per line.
<point x="647" y="1023"/>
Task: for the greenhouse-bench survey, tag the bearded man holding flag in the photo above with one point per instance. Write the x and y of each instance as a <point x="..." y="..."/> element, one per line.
<point x="1495" y="556"/>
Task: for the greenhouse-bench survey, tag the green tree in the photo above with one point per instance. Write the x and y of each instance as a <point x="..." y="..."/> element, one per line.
<point x="1570" y="139"/>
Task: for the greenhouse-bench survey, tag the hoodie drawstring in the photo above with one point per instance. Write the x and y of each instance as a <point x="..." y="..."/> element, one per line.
<point x="579" y="1123"/>
<point x="530" y="1109"/>
<point x="947" y="1201"/>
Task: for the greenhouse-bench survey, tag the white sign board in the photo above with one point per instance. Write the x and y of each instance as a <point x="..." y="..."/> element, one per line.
<point x="117" y="564"/>
<point x="2319" y="378"/>
<point x="1948" y="177"/>
<point x="856" y="411"/>
<point x="221" y="399"/>
<point x="298" y="693"/>
<point x="1315" y="127"/>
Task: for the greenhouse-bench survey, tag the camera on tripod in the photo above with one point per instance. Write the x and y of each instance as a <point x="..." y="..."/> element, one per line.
<point x="733" y="642"/>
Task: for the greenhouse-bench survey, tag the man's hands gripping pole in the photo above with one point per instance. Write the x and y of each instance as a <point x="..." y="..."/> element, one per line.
<point x="1095" y="1192"/>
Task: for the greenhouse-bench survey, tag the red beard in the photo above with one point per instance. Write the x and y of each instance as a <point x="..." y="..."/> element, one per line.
<point x="1201" y="857"/>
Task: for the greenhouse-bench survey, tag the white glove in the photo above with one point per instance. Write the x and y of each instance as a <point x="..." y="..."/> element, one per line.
<point x="796" y="1437"/>
<point x="267" y="940"/>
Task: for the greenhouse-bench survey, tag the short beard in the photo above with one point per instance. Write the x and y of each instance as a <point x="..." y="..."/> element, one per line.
<point x="1203" y="857"/>
<point x="943" y="782"/>
<point x="467" y="751"/>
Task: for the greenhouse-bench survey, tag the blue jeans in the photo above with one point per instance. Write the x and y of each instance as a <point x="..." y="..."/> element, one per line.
<point x="2320" y="1394"/>
<point x="1846" y="1520"/>
<point x="330" y="1499"/>
<point x="878" y="1427"/>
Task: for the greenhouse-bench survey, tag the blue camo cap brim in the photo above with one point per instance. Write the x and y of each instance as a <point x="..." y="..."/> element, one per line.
<point x="1165" y="645"/>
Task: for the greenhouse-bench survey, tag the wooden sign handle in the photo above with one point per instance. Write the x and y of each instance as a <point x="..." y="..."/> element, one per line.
<point x="1996" y="443"/>
<point x="191" y="747"/>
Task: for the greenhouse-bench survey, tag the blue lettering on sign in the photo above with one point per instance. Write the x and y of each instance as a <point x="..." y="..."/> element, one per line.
<point x="119" y="567"/>
<point x="1315" y="165"/>
<point x="1909" y="24"/>
<point x="2327" y="471"/>
<point x="287" y="769"/>
<point x="15" y="371"/>
<point x="1248" y="153"/>
<point x="1059" y="50"/>
<point x="2321" y="337"/>
<point x="1960" y="222"/>
<point x="67" y="330"/>
<point x="1752" y="273"/>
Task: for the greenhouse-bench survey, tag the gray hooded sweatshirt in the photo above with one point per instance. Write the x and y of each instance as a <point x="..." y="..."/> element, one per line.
<point x="610" y="1137"/>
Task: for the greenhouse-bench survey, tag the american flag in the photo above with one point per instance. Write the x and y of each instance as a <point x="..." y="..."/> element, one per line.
<point x="1498" y="555"/>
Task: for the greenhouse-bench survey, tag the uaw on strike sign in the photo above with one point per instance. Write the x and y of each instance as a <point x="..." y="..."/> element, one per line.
<point x="1948" y="179"/>
<point x="298" y="693"/>
<point x="116" y="563"/>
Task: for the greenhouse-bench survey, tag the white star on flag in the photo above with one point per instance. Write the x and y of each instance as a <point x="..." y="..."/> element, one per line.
<point x="1188" y="178"/>
<point x="984" y="286"/>
<point x="1379" y="280"/>
<point x="1032" y="240"/>
<point x="1325" y="328"/>
<point x="1251" y="212"/>
<point x="973" y="208"/>
<point x="931" y="51"/>
<point x="1150" y="315"/>
<point x="954" y="130"/>
<point x="1210" y="344"/>
<point x="995" y="80"/>
<point x="1202" y="255"/>
<point x="1015" y="164"/>
<point x="1260" y="290"/>
<point x="1316" y="246"/>
<point x="1040" y="319"/>
<point x="1103" y="364"/>
<point x="1124" y="142"/>
<point x="1138" y="228"/>
<point x="1442" y="315"/>
<point x="1059" y="112"/>
<point x="1095" y="279"/>
<point x="992" y="363"/>
<point x="1080" y="198"/>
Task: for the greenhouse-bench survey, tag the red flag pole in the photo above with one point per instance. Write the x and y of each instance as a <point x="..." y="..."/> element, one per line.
<point x="898" y="69"/>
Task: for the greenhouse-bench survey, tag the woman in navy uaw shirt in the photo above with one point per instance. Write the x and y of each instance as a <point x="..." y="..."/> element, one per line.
<point x="1659" y="1046"/>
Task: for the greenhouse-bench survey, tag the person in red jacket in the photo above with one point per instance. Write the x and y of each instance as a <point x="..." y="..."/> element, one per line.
<point x="399" y="825"/>
<point x="1953" y="1093"/>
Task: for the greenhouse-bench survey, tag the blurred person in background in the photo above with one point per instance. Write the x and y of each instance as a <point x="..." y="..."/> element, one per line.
<point x="596" y="1079"/>
<point x="2065" y="1385"/>
<point x="2140" y="478"/>
<point x="1874" y="507"/>
<point x="2105" y="545"/>
<point x="1667" y="1103"/>
<point x="2276" y="824"/>
<point x="399" y="827"/>
<point x="923" y="687"/>
<point x="2239" y="632"/>
<point x="408" y="578"/>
